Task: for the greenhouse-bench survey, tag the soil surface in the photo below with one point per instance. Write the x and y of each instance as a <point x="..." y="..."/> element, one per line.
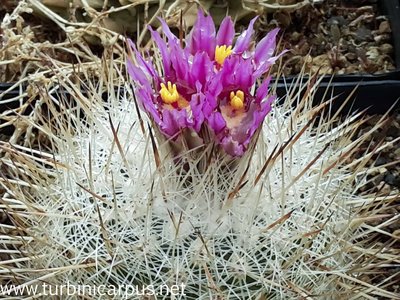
<point x="335" y="37"/>
<point x="387" y="177"/>
<point x="331" y="36"/>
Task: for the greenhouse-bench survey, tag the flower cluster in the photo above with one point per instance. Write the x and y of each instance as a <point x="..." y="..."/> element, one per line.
<point x="209" y="83"/>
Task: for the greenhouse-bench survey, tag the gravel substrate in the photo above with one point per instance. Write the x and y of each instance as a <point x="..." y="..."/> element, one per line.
<point x="386" y="179"/>
<point x="334" y="37"/>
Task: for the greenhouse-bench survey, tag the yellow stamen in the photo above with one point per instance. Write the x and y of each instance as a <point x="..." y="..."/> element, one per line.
<point x="237" y="99"/>
<point x="169" y="94"/>
<point x="221" y="53"/>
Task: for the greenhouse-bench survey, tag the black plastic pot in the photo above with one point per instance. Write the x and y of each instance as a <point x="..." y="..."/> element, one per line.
<point x="375" y="93"/>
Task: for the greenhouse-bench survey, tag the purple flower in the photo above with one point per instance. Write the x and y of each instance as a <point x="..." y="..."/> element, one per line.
<point x="171" y="98"/>
<point x="209" y="83"/>
<point x="238" y="112"/>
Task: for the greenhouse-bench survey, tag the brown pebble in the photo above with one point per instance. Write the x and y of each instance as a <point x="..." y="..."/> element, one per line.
<point x="397" y="153"/>
<point x="351" y="56"/>
<point x="386" y="48"/>
<point x="296" y="36"/>
<point x="373" y="53"/>
<point x="384" y="27"/>
<point x="351" y="69"/>
<point x="283" y="18"/>
<point x="382" y="38"/>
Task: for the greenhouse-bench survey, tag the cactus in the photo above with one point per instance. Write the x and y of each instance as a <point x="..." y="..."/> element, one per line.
<point x="98" y="204"/>
<point x="92" y="200"/>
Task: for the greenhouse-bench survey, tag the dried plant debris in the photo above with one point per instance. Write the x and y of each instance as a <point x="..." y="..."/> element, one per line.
<point x="335" y="36"/>
<point x="26" y="41"/>
<point x="29" y="61"/>
<point x="330" y="36"/>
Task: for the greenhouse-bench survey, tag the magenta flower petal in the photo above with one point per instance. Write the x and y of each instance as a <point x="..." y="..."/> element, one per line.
<point x="237" y="73"/>
<point x="211" y="101"/>
<point x="173" y="121"/>
<point x="216" y="122"/>
<point x="137" y="74"/>
<point x="163" y="50"/>
<point x="266" y="47"/>
<point x="262" y="90"/>
<point x="264" y="66"/>
<point x="259" y="114"/>
<point x="200" y="68"/>
<point x="145" y="66"/>
<point x="244" y="78"/>
<point x="202" y="37"/>
<point x="196" y="105"/>
<point x="214" y="87"/>
<point x="243" y="41"/>
<point x="145" y="101"/>
<point x="226" y="32"/>
<point x="172" y="39"/>
<point x="232" y="147"/>
<point x="180" y="65"/>
<point x="228" y="71"/>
